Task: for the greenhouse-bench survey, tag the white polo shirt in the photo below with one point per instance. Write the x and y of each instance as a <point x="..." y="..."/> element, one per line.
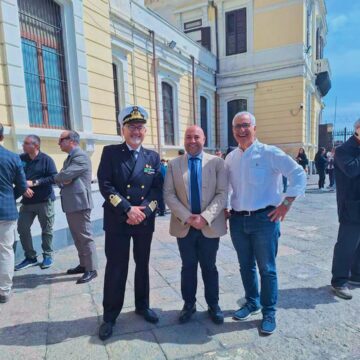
<point x="255" y="177"/>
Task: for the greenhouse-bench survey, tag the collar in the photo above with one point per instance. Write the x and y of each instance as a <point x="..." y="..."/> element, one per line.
<point x="354" y="141"/>
<point x="130" y="148"/>
<point x="73" y="150"/>
<point x="198" y="156"/>
<point x="37" y="157"/>
<point x="253" y="146"/>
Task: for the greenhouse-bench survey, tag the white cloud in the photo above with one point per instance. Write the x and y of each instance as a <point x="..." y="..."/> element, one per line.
<point x="337" y="22"/>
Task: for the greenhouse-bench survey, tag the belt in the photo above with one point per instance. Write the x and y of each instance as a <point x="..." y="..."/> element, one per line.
<point x="249" y="213"/>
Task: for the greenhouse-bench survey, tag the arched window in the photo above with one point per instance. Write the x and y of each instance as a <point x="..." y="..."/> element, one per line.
<point x="204" y="117"/>
<point x="234" y="107"/>
<point x="168" y="113"/>
<point x="44" y="64"/>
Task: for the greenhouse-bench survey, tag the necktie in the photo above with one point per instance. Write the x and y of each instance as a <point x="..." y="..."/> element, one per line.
<point x="195" y="193"/>
<point x="132" y="158"/>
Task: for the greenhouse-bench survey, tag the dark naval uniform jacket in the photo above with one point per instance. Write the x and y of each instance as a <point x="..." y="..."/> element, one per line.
<point x="123" y="186"/>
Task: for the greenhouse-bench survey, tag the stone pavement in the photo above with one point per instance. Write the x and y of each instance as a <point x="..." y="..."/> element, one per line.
<point x="50" y="317"/>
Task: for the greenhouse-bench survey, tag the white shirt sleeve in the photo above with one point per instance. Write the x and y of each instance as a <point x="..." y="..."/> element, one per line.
<point x="230" y="190"/>
<point x="291" y="170"/>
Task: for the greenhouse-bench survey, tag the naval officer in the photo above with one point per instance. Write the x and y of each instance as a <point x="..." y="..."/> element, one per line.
<point x="131" y="183"/>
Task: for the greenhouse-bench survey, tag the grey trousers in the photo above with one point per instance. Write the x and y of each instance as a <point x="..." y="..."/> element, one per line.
<point x="80" y="228"/>
<point x="7" y="238"/>
<point x="27" y="214"/>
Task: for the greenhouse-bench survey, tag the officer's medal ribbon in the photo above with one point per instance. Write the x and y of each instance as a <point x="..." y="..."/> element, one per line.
<point x="149" y="170"/>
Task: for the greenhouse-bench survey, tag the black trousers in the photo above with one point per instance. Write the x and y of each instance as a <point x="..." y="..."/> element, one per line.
<point x="331" y="177"/>
<point x="195" y="248"/>
<point x="117" y="249"/>
<point x="346" y="260"/>
<point x="322" y="177"/>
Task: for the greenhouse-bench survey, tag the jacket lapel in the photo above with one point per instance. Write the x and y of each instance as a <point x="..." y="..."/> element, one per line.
<point x="204" y="176"/>
<point x="126" y="158"/>
<point x="185" y="173"/>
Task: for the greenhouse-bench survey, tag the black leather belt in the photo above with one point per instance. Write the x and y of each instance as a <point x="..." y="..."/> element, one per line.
<point x="249" y="213"/>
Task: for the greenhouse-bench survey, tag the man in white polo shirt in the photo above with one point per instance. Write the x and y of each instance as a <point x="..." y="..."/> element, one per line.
<point x="257" y="206"/>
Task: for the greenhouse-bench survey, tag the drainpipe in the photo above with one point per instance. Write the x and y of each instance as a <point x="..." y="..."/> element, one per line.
<point x="193" y="87"/>
<point x="154" y="63"/>
<point x="217" y="124"/>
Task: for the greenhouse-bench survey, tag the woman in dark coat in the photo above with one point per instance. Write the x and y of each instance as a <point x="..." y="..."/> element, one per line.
<point x="320" y="163"/>
<point x="302" y="159"/>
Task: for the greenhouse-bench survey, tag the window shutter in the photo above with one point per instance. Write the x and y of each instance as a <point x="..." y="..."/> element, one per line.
<point x="206" y="37"/>
<point x="236" y="32"/>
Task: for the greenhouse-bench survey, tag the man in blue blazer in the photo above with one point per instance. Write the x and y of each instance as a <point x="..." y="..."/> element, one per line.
<point x="11" y="173"/>
<point x="131" y="183"/>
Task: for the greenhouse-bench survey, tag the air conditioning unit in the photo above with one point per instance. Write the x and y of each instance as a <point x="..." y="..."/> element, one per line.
<point x="322" y="65"/>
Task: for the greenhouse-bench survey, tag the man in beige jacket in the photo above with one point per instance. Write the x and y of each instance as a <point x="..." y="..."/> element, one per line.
<point x="196" y="192"/>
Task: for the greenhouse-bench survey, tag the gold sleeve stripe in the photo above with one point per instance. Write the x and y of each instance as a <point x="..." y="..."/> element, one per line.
<point x="115" y="200"/>
<point x="153" y="205"/>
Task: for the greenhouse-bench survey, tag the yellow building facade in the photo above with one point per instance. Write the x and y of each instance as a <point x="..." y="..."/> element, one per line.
<point x="76" y="64"/>
<point x="270" y="56"/>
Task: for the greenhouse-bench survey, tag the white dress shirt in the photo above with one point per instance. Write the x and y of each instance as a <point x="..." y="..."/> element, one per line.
<point x="137" y="150"/>
<point x="255" y="177"/>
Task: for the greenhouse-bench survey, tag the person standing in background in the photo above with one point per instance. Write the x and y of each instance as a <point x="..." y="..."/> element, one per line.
<point x="11" y="174"/>
<point x="302" y="159"/>
<point x="161" y="205"/>
<point x="40" y="170"/>
<point x="331" y="168"/>
<point x="76" y="200"/>
<point x="320" y="164"/>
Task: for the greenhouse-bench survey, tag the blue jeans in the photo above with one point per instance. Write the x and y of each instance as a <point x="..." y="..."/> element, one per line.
<point x="255" y="239"/>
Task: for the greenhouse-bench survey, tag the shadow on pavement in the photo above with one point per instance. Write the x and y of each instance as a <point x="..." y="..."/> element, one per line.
<point x="32" y="281"/>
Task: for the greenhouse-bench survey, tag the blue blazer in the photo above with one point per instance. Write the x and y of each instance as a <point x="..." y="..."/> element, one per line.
<point x="123" y="186"/>
<point x="11" y="173"/>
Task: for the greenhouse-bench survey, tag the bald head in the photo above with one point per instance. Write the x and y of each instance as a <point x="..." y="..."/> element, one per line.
<point x="194" y="140"/>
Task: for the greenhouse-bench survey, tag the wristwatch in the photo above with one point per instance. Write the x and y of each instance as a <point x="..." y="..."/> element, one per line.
<point x="287" y="203"/>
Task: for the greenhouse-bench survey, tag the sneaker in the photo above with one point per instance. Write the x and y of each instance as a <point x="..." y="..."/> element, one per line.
<point x="245" y="312"/>
<point x="47" y="262"/>
<point x="342" y="292"/>
<point x="268" y="325"/>
<point x="26" y="263"/>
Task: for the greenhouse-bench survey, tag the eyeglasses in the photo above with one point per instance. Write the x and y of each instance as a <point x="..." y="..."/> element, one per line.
<point x="64" y="138"/>
<point x="242" y="126"/>
<point x="133" y="128"/>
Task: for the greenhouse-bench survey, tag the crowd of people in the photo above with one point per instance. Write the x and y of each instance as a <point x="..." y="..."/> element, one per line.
<point x="202" y="191"/>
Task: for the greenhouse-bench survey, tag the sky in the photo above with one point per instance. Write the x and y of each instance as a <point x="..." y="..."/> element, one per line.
<point x="343" y="52"/>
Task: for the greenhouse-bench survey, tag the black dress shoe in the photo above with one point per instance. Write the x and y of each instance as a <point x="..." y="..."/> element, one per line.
<point x="88" y="276"/>
<point x="148" y="314"/>
<point x="216" y="314"/>
<point x="76" y="270"/>
<point x="105" y="330"/>
<point x="186" y="313"/>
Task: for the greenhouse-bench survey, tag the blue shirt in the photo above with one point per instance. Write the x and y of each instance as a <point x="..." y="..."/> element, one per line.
<point x="199" y="172"/>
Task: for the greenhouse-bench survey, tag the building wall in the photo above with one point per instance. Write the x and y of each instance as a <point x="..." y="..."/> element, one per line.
<point x="270" y="20"/>
<point x="279" y="118"/>
<point x="4" y="107"/>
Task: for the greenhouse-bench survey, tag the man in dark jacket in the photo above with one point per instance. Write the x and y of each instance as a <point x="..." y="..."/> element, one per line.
<point x="11" y="173"/>
<point x="131" y="183"/>
<point x="40" y="170"/>
<point x="346" y="260"/>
